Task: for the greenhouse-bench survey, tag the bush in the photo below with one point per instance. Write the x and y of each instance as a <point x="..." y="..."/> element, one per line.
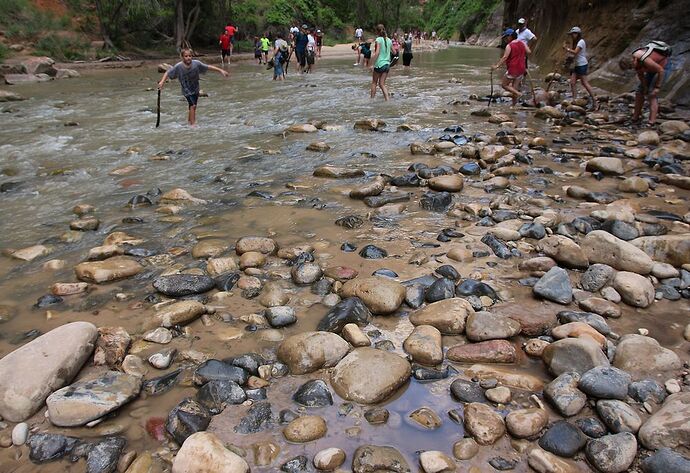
<point x="62" y="48"/>
<point x="3" y="52"/>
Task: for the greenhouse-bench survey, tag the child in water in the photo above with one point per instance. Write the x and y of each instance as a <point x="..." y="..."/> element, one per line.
<point x="188" y="71"/>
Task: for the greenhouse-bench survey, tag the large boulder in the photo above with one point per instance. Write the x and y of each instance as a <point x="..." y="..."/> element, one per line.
<point x="39" y="65"/>
<point x="84" y="401"/>
<point x="448" y="316"/>
<point x="111" y="269"/>
<point x="203" y="452"/>
<point x="671" y="249"/>
<point x="368" y="375"/>
<point x="25" y="383"/>
<point x="643" y="355"/>
<point x="605" y="165"/>
<point x="381" y="295"/>
<point x="602" y="247"/>
<point x="565" y="251"/>
<point x="634" y="289"/>
<point x="310" y="351"/>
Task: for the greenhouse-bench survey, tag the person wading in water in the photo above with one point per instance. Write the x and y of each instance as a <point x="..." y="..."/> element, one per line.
<point x="580" y="64"/>
<point x="382" y="61"/>
<point x="650" y="64"/>
<point x="514" y="57"/>
<point x="188" y="71"/>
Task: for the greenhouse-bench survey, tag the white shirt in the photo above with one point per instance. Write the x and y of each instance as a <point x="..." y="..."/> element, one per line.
<point x="359" y="32"/>
<point x="311" y="42"/>
<point x="581" y="57"/>
<point x="526" y="35"/>
<point x="294" y="30"/>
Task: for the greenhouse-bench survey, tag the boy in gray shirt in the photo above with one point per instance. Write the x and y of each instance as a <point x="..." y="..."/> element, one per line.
<point x="188" y="71"/>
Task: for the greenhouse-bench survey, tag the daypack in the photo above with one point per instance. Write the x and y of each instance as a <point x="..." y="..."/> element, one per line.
<point x="658" y="46"/>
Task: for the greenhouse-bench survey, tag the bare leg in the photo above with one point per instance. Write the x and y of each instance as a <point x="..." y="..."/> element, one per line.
<point x="507" y="85"/>
<point x="588" y="88"/>
<point x="639" y="103"/>
<point x="374" y="83"/>
<point x="191" y="117"/>
<point x="382" y="84"/>
<point x="653" y="108"/>
<point x="573" y="85"/>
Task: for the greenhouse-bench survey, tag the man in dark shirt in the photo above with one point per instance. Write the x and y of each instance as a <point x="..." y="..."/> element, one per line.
<point x="301" y="41"/>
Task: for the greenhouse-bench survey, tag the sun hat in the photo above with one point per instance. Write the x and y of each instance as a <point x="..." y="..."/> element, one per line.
<point x="508" y="32"/>
<point x="521" y="21"/>
<point x="575" y="29"/>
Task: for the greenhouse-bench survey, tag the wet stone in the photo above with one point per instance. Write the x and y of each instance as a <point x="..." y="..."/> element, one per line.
<point x="377" y="415"/>
<point x="258" y="418"/>
<point x="426" y="418"/>
<point x="257" y="394"/>
<point x="350" y="221"/>
<point x="533" y="230"/>
<point x="47" y="447"/>
<point x="299" y="464"/>
<point x="472" y="287"/>
<point x="591" y="427"/>
<point x="499" y="248"/>
<point x="372" y="458"/>
<point x="249" y="362"/>
<point x="321" y="287"/>
<point x="555" y="286"/>
<point x="593" y="320"/>
<point x="187" y="418"/>
<point x="563" y="439"/>
<point x="647" y="390"/>
<point x="436" y="201"/>
<point x="180" y="285"/>
<point x="467" y="391"/>
<point x="442" y="288"/>
<point x="666" y="460"/>
<point x="280" y="316"/>
<point x="414" y="296"/>
<point x="612" y="453"/>
<point x="350" y="310"/>
<point x="605" y="382"/>
<point x="226" y="282"/>
<point x="314" y="393"/>
<point x="503" y="464"/>
<point x="47" y="301"/>
<point x="104" y="455"/>
<point x="306" y="273"/>
<point x="161" y="384"/>
<point x="219" y="370"/>
<point x="563" y="394"/>
<point x="618" y="416"/>
<point x="372" y="252"/>
<point x="620" y="229"/>
<point x="215" y="394"/>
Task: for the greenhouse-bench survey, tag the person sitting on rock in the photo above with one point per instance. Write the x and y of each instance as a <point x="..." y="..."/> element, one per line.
<point x="650" y="64"/>
<point x="514" y="57"/>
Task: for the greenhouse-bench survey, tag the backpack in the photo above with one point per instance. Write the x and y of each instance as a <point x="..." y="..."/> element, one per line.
<point x="658" y="46"/>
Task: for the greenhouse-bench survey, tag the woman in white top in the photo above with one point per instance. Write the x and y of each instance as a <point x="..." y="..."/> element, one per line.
<point x="580" y="63"/>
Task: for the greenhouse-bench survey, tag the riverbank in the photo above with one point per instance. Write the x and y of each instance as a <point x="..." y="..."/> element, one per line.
<point x="314" y="277"/>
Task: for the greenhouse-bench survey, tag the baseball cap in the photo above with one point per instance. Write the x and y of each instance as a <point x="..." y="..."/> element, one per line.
<point x="575" y="29"/>
<point x="304" y="27"/>
<point x="508" y="32"/>
<point x="521" y="21"/>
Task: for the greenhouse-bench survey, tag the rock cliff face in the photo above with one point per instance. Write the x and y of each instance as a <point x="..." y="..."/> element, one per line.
<point x="612" y="29"/>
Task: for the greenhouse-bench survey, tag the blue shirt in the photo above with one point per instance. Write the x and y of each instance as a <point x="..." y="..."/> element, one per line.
<point x="301" y="41"/>
<point x="188" y="76"/>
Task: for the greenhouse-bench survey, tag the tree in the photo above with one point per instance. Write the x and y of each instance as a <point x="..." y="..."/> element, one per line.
<point x="113" y="13"/>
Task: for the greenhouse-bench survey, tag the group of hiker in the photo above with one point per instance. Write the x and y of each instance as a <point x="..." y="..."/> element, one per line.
<point x="649" y="62"/>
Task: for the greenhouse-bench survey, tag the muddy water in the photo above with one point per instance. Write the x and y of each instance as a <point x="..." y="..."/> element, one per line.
<point x="238" y="148"/>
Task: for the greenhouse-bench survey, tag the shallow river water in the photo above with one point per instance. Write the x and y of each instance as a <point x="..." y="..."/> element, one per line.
<point x="239" y="147"/>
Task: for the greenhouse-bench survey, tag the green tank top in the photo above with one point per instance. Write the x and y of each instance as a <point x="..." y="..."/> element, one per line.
<point x="384" y="58"/>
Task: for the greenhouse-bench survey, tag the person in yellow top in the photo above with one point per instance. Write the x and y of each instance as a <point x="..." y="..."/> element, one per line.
<point x="265" y="47"/>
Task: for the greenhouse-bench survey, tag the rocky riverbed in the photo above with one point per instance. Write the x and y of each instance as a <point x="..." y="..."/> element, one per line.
<point x="510" y="294"/>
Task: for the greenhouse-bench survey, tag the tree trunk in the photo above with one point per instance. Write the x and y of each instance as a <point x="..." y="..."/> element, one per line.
<point x="179" y="24"/>
<point x="103" y="28"/>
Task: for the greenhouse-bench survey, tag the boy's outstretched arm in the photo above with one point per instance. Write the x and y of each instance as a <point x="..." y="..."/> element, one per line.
<point x="163" y="79"/>
<point x="218" y="69"/>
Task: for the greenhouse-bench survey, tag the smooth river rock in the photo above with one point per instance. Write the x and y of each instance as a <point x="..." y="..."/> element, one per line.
<point x="381" y="295"/>
<point x="368" y="375"/>
<point x="25" y="384"/>
<point x="602" y="247"/>
<point x="490" y="351"/>
<point x="671" y="249"/>
<point x="111" y="269"/>
<point x="574" y="354"/>
<point x="643" y="355"/>
<point x="670" y="425"/>
<point x="425" y="345"/>
<point x="448" y="316"/>
<point x="203" y="452"/>
<point x="634" y="289"/>
<point x="488" y="326"/>
<point x="179" y="313"/>
<point x="305" y="429"/>
<point x="84" y="401"/>
<point x="310" y="351"/>
<point x="376" y="459"/>
<point x="484" y="424"/>
<point x="612" y="453"/>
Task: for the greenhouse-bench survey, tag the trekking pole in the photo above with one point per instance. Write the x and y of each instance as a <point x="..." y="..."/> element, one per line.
<point x="531" y="85"/>
<point x="158" y="110"/>
<point x="491" y="96"/>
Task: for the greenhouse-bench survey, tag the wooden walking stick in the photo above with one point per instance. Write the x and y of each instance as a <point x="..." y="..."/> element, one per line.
<point x="531" y="85"/>
<point x="491" y="96"/>
<point x="158" y="110"/>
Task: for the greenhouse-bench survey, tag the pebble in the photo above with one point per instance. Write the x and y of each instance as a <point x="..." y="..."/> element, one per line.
<point x="465" y="449"/>
<point x="20" y="433"/>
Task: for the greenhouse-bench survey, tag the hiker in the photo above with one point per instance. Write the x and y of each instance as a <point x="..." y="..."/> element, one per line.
<point x="650" y="63"/>
<point x="365" y="49"/>
<point x="301" y="41"/>
<point x="257" y="48"/>
<point x="407" y="51"/>
<point x="280" y="56"/>
<point x="265" y="47"/>
<point x="188" y="71"/>
<point x="319" y="42"/>
<point x="524" y="34"/>
<point x="231" y="30"/>
<point x="580" y="63"/>
<point x="382" y="61"/>
<point x="358" y="35"/>
<point x="514" y="58"/>
<point x="225" y="45"/>
<point x="311" y="51"/>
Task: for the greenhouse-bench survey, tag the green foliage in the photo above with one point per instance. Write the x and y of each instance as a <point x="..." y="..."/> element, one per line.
<point x="62" y="48"/>
<point x="3" y="52"/>
<point x="452" y="17"/>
